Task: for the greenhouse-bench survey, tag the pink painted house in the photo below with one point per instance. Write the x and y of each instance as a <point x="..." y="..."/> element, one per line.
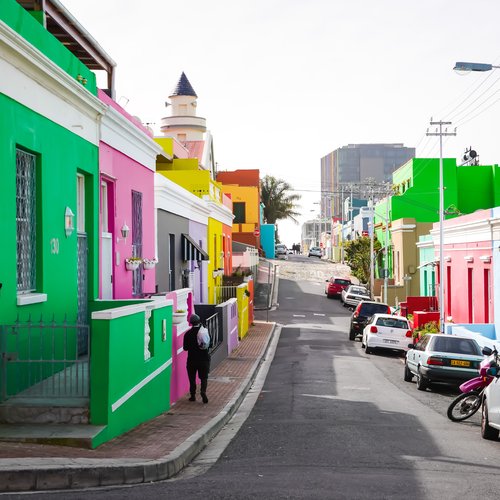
<point x="127" y="163"/>
<point x="468" y="271"/>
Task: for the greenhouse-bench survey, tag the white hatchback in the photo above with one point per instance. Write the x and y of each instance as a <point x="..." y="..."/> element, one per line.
<point x="386" y="331"/>
<point x="490" y="419"/>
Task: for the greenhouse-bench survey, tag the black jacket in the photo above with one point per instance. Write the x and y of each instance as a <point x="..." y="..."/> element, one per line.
<point x="191" y="346"/>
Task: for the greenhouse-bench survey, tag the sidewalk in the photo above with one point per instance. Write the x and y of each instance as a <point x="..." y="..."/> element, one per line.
<point x="155" y="450"/>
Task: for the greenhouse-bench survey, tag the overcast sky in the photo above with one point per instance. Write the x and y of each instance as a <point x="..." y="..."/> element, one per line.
<point x="284" y="82"/>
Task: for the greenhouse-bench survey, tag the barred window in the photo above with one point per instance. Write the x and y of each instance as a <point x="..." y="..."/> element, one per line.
<point x="26" y="221"/>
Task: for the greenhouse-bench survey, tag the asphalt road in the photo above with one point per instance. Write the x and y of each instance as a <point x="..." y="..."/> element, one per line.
<point x="332" y="422"/>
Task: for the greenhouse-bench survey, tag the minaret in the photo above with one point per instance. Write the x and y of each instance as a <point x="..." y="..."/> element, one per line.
<point x="183" y="124"/>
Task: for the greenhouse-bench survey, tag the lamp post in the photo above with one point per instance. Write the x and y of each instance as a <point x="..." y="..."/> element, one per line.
<point x="471" y="66"/>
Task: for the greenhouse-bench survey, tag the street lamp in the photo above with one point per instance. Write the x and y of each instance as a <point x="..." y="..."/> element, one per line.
<point x="471" y="66"/>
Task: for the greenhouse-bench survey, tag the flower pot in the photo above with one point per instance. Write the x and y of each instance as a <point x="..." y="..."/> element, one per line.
<point x="132" y="266"/>
<point x="149" y="265"/>
<point x="178" y="318"/>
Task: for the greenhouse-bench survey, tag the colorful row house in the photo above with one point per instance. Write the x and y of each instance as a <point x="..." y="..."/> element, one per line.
<point x="103" y="243"/>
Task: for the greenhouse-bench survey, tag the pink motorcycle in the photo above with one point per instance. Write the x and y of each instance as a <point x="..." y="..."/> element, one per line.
<point x="465" y="405"/>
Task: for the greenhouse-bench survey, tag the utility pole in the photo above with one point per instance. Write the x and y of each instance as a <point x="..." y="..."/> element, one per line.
<point x="386" y="259"/>
<point x="342" y="226"/>
<point x="440" y="134"/>
<point x="372" y="260"/>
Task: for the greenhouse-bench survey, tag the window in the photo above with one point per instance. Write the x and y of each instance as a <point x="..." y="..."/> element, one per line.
<point x="26" y="221"/>
<point x="104" y="207"/>
<point x="239" y="212"/>
<point x="80" y="203"/>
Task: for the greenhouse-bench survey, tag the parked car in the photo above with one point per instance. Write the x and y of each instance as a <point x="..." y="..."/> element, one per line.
<point x="315" y="252"/>
<point x="334" y="286"/>
<point x="386" y="331"/>
<point x="353" y="295"/>
<point x="490" y="417"/>
<point x="281" y="251"/>
<point x="442" y="358"/>
<point x="363" y="312"/>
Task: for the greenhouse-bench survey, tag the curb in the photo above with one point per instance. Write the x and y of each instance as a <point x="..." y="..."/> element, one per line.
<point x="64" y="474"/>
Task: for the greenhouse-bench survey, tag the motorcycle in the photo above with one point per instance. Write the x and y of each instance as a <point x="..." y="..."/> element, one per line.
<point x="465" y="405"/>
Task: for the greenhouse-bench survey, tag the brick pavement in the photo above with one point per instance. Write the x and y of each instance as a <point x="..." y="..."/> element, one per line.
<point x="157" y="438"/>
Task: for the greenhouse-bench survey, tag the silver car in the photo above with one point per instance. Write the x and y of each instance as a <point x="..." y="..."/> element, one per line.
<point x="315" y="252"/>
<point x="442" y="358"/>
<point x="353" y="295"/>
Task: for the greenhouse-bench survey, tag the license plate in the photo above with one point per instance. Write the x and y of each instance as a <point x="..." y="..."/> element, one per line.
<point x="459" y="362"/>
<point x="387" y="341"/>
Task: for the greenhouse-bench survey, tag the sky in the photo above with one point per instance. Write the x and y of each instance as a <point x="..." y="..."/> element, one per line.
<point x="282" y="83"/>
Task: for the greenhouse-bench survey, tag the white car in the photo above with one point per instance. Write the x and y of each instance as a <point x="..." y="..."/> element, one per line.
<point x="386" y="331"/>
<point x="490" y="418"/>
<point x="353" y="295"/>
<point x="315" y="252"/>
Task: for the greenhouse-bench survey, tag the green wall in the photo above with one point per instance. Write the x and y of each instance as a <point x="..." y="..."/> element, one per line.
<point x="118" y="366"/>
<point x="60" y="155"/>
<point x="30" y="29"/>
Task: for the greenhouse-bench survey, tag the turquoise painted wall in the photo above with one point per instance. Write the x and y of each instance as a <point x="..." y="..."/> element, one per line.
<point x="268" y="239"/>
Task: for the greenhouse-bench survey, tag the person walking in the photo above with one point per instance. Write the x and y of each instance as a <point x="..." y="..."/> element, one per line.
<point x="198" y="360"/>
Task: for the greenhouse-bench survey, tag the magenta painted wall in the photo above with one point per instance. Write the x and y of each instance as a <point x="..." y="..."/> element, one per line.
<point x="469" y="295"/>
<point x="125" y="175"/>
<point x="179" y="383"/>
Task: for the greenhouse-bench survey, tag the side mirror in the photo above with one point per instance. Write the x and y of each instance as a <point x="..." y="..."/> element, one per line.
<point x="411" y="346"/>
<point x="487" y="351"/>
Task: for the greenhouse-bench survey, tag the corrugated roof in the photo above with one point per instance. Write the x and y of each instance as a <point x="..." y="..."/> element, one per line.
<point x="183" y="87"/>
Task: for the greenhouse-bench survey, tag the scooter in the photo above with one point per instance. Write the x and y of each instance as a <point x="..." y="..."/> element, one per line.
<point x="465" y="405"/>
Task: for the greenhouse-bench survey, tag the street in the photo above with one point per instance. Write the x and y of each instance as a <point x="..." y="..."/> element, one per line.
<point x="334" y="422"/>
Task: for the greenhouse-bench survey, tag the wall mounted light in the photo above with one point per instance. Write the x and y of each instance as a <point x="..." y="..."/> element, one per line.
<point x="125" y="230"/>
<point x="69" y="217"/>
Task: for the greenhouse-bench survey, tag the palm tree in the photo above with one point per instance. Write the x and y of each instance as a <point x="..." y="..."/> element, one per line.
<point x="278" y="203"/>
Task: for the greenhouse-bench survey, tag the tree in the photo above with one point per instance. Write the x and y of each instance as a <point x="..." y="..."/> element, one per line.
<point x="279" y="204"/>
<point x="357" y="256"/>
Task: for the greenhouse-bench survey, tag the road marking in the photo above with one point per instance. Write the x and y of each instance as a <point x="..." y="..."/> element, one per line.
<point x="318" y="314"/>
<point x="289" y="298"/>
<point x="299" y="315"/>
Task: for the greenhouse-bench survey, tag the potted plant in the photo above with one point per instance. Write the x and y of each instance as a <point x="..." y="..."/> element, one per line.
<point x="179" y="316"/>
<point x="149" y="263"/>
<point x="132" y="263"/>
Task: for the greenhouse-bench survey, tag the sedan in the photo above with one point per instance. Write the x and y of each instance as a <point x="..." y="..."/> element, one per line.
<point x="386" y="331"/>
<point x="353" y="295"/>
<point x="335" y="286"/>
<point x="442" y="358"/>
<point x="315" y="252"/>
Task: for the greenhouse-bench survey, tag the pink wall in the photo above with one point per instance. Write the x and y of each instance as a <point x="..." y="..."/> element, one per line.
<point x="468" y="283"/>
<point x="125" y="175"/>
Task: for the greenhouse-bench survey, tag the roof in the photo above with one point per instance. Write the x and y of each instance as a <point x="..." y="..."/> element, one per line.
<point x="183" y="87"/>
<point x="67" y="29"/>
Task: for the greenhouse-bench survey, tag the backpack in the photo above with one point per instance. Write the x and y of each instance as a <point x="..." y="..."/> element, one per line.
<point x="203" y="338"/>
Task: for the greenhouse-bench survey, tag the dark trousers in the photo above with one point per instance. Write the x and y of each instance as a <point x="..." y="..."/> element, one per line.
<point x="202" y="368"/>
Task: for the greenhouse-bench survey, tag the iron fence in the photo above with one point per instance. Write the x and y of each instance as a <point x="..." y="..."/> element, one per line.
<point x="223" y="293"/>
<point x="212" y="324"/>
<point x="41" y="360"/>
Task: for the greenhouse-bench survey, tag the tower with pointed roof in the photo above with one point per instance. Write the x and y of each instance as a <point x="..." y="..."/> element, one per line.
<point x="183" y="124"/>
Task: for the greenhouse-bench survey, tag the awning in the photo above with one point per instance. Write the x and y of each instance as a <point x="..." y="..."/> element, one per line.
<point x="191" y="250"/>
<point x="430" y="263"/>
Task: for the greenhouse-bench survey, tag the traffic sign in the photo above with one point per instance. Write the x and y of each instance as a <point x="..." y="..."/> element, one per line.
<point x="256" y="232"/>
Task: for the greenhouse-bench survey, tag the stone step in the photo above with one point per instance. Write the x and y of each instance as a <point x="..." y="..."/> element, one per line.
<point x="55" y="434"/>
<point x="19" y="410"/>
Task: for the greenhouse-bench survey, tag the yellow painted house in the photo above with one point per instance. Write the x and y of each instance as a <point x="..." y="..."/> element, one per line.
<point x="186" y="173"/>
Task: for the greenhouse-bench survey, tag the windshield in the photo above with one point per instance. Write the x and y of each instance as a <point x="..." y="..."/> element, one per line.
<point x="393" y="323"/>
<point x="358" y="291"/>
<point x="342" y="282"/>
<point x="455" y="345"/>
<point x="369" y="309"/>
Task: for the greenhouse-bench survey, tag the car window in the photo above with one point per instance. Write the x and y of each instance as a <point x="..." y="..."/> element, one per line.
<point x="342" y="282"/>
<point x="393" y="323"/>
<point x="358" y="291"/>
<point x="369" y="309"/>
<point x="422" y="343"/>
<point x="455" y="345"/>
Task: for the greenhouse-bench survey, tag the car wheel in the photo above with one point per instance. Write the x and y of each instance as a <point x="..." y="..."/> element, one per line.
<point x="352" y="335"/>
<point x="487" y="432"/>
<point x="408" y="375"/>
<point x="368" y="350"/>
<point x="422" y="383"/>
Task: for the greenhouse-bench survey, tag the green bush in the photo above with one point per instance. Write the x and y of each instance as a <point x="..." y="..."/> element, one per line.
<point x="427" y="328"/>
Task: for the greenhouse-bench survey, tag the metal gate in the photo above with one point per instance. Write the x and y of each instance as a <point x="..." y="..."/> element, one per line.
<point x="82" y="266"/>
<point x="41" y="360"/>
<point x="137" y="241"/>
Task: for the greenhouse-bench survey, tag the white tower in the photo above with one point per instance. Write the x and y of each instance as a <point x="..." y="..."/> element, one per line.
<point x="183" y="124"/>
